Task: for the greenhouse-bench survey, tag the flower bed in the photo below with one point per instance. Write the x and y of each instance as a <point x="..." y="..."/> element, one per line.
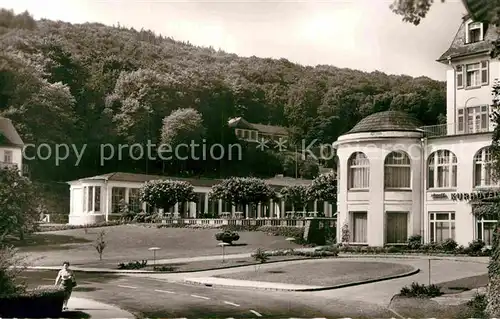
<point x="42" y="302"/>
<point x="43" y="229"/>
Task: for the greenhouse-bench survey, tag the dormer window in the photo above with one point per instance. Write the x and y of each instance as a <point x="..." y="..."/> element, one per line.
<point x="474" y="32"/>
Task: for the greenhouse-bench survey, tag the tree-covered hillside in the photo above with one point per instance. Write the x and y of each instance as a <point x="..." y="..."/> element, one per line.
<point x="94" y="84"/>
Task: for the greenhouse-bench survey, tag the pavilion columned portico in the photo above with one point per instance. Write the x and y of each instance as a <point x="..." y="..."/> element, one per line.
<point x="97" y="199"/>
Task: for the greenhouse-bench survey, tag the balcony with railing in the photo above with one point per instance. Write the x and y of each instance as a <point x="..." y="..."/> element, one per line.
<point x="452" y="129"/>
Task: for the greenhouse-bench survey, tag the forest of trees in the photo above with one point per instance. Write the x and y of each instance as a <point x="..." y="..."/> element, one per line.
<point x="95" y="84"/>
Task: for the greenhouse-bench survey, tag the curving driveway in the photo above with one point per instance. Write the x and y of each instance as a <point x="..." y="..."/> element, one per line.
<point x="167" y="295"/>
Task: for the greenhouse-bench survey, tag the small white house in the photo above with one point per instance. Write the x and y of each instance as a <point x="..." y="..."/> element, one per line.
<point x="397" y="178"/>
<point x="97" y="199"/>
<point x="11" y="146"/>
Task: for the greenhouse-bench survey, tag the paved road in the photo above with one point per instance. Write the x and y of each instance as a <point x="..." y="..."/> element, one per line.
<point x="153" y="296"/>
<point x="149" y="297"/>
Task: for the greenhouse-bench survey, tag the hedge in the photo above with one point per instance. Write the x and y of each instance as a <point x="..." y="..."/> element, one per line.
<point x="42" y="302"/>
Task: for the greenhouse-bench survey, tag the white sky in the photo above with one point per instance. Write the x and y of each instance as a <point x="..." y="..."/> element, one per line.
<point x="357" y="34"/>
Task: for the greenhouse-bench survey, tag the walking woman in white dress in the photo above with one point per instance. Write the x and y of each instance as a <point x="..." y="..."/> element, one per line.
<point x="66" y="280"/>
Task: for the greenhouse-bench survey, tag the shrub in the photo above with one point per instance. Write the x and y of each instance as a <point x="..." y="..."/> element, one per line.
<point x="261" y="256"/>
<point x="415" y="242"/>
<point x="133" y="264"/>
<point x="477" y="307"/>
<point x="10" y="267"/>
<point x="476" y="246"/>
<point x="100" y="244"/>
<point x="43" y="302"/>
<point x="392" y="249"/>
<point x="448" y="245"/>
<point x="420" y="291"/>
<point x="285" y="231"/>
<point x="227" y="237"/>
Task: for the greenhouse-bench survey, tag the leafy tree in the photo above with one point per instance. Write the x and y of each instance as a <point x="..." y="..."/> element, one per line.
<point x="414" y="11"/>
<point x="182" y="126"/>
<point x="324" y="188"/>
<point x="298" y="195"/>
<point x="294" y="165"/>
<point x="19" y="205"/>
<point x="243" y="191"/>
<point x="166" y="193"/>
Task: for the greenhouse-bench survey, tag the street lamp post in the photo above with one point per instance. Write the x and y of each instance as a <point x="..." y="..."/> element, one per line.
<point x="154" y="249"/>
<point x="223" y="245"/>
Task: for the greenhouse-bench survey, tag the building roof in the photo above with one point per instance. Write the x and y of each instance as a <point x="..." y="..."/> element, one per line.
<point x="201" y="182"/>
<point x="387" y="121"/>
<point x="268" y="129"/>
<point x="8" y="134"/>
<point x="459" y="48"/>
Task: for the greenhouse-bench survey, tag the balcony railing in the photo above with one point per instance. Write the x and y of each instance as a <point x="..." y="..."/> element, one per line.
<point x="8" y="165"/>
<point x="449" y="129"/>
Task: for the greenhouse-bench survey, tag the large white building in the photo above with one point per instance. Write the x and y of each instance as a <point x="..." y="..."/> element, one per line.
<point x="398" y="179"/>
<point x="96" y="199"/>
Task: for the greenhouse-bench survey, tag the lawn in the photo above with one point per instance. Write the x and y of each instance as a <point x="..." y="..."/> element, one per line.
<point x="127" y="243"/>
<point x="323" y="272"/>
<point x="45" y="241"/>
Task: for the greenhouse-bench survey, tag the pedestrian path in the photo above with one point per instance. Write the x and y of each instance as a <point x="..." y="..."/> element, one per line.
<point x="97" y="309"/>
<point x="459" y="298"/>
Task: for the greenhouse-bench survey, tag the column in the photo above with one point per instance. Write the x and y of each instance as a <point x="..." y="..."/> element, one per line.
<point x="315" y="207"/>
<point x="176" y="210"/>
<point x="271" y="208"/>
<point x="233" y="211"/>
<point x="127" y="194"/>
<point x="282" y="210"/>
<point x="192" y="209"/>
<point x="206" y="203"/>
<point x="247" y="211"/>
<point x="220" y="206"/>
<point x="259" y="211"/>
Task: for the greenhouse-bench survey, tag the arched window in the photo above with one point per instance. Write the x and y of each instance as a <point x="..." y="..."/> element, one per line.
<point x="397" y="171"/>
<point x="359" y="171"/>
<point x="483" y="168"/>
<point x="442" y="170"/>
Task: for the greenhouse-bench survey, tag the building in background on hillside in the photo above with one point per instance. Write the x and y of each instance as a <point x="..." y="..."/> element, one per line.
<point x="97" y="199"/>
<point x="253" y="132"/>
<point x="398" y="179"/>
<point x="11" y="146"/>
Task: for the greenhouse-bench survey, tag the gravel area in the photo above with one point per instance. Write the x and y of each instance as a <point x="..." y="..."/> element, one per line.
<point x="127" y="243"/>
<point x="329" y="272"/>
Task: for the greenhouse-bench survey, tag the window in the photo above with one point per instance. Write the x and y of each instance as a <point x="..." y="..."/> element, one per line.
<point x="359" y="227"/>
<point x="359" y="171"/>
<point x="117" y="195"/>
<point x="92" y="198"/>
<point x="460" y="76"/>
<point x="476" y="74"/>
<point x="485" y="72"/>
<point x="396" y="228"/>
<point x="485" y="227"/>
<point x="7" y="156"/>
<point x="473" y="119"/>
<point x="397" y="171"/>
<point x="472" y="72"/>
<point x="134" y="201"/>
<point x="253" y="135"/>
<point x="483" y="168"/>
<point x="442" y="170"/>
<point x="441" y="226"/>
<point x="474" y="32"/>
